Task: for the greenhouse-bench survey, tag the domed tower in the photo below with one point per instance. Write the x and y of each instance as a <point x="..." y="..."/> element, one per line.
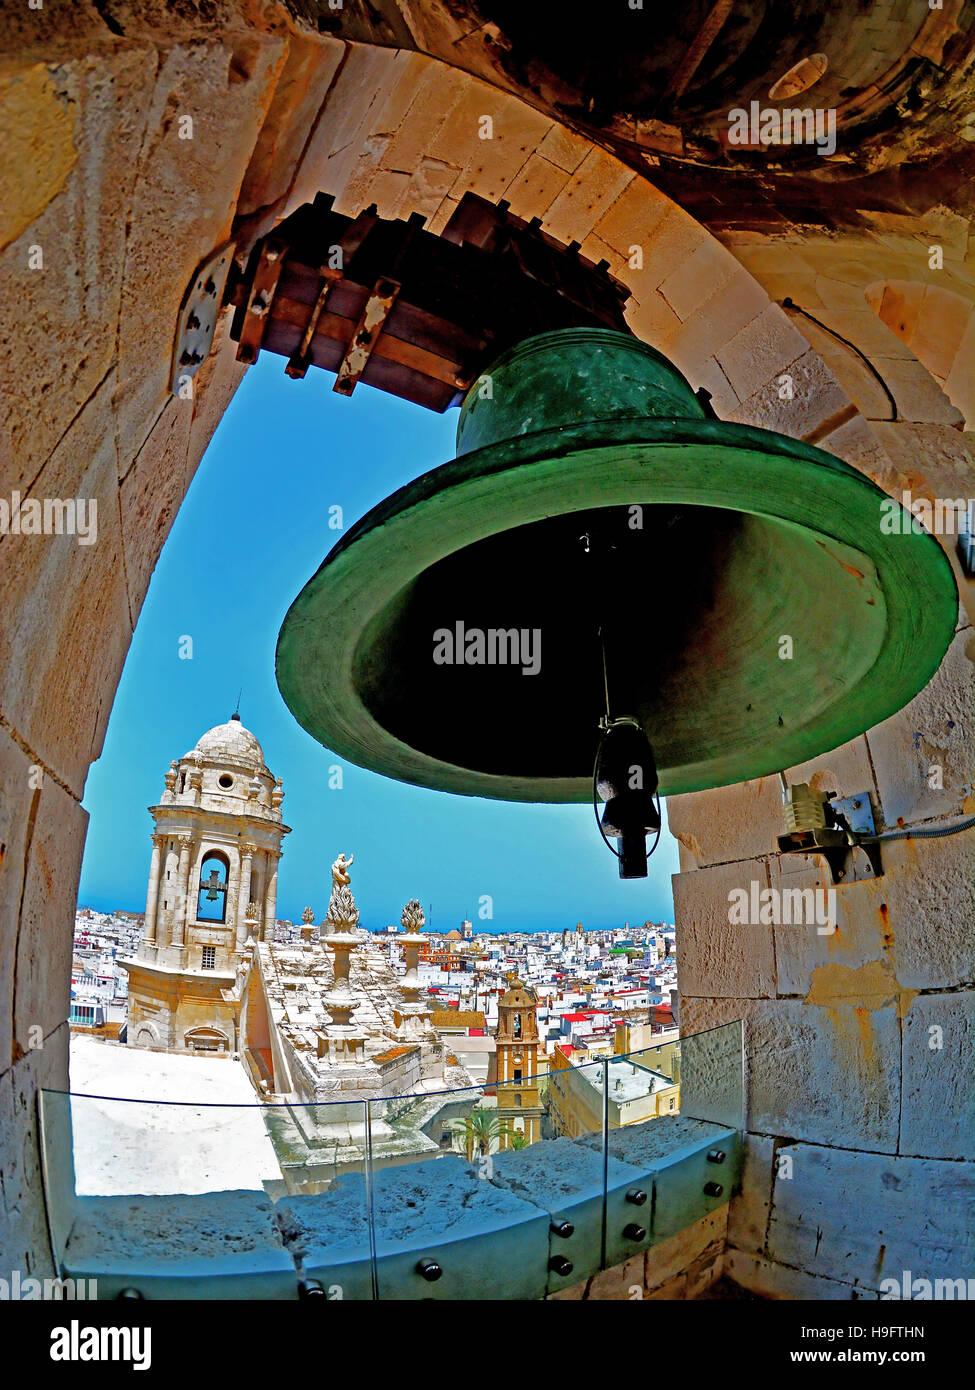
<point x="517" y="1045"/>
<point x="212" y="889"/>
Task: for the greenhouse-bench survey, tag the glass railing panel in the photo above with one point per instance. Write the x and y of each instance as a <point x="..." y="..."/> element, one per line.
<point x="516" y="1188"/>
<point x="684" y="1139"/>
<point x="564" y="1177"/>
<point x="444" y="1227"/>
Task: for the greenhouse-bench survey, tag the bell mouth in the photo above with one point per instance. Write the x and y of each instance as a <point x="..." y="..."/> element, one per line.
<point x="708" y="544"/>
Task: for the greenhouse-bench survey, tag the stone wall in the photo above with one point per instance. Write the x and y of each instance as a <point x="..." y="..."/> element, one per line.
<point x="109" y="207"/>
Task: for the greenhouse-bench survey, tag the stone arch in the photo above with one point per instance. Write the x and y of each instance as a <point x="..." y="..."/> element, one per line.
<point x="88" y="414"/>
<point x="206" y="1040"/>
<point x="938" y="325"/>
<point x="146" y="1035"/>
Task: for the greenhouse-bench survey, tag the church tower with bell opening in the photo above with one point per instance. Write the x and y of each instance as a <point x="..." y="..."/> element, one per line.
<point x="212" y="893"/>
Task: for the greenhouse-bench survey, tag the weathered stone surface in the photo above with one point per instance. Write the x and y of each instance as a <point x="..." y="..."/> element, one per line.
<point x="41" y="981"/>
<point x="826" y="1074"/>
<point x="557" y="1171"/>
<point x="801" y="947"/>
<point x="623" y="1282"/>
<point x="152" y="488"/>
<point x="938" y="1046"/>
<point x="771" y="1280"/>
<point x="213" y="389"/>
<point x="704" y="1271"/>
<point x="66" y="622"/>
<point x="536" y="185"/>
<point x="184" y="195"/>
<point x="927" y="743"/>
<point x="15" y="831"/>
<point x="864" y="1217"/>
<point x="308" y="67"/>
<point x="708" y="376"/>
<point x="738" y="303"/>
<point x="928" y="890"/>
<point x="673" y="1290"/>
<point x="590" y="192"/>
<point x="24" y="1240"/>
<point x="816" y="400"/>
<point x="696" y="279"/>
<point x="762" y="349"/>
<point x="916" y="918"/>
<point x="643" y="1145"/>
<point x="68" y="310"/>
<point x="716" y="956"/>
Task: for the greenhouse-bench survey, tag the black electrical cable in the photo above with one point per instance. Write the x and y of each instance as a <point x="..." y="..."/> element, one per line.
<point x="929" y="833"/>
<point x="788" y="303"/>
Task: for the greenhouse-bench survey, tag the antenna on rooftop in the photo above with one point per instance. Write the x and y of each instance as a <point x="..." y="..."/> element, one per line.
<point x="236" y="713"/>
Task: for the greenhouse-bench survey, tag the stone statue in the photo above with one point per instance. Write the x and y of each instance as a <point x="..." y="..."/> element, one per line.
<point x="340" y="871"/>
<point x="342" y="914"/>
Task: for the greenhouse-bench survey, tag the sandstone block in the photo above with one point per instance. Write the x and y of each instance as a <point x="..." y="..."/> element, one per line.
<point x="590" y="192"/>
<point x="705" y="271"/>
<point x="92" y="112"/>
<point x="863" y="1217"/>
<point x="66" y="616"/>
<point x="718" y="958"/>
<point x="808" y="401"/>
<point x="939" y="1042"/>
<point x="826" y="1073"/>
<point x="923" y="754"/>
<point x="760" y="350"/>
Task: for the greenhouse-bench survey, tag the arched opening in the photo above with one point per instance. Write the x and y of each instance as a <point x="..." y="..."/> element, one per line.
<point x="206" y="1040"/>
<point x="211" y="904"/>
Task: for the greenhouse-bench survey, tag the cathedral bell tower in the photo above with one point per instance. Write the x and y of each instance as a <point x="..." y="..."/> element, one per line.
<point x="517" y="1044"/>
<point x="213" y="882"/>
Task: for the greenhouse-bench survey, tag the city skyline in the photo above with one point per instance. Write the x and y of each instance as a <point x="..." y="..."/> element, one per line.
<point x="238" y="553"/>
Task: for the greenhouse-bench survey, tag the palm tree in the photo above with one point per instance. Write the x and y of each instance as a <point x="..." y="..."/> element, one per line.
<point x="480" y="1129"/>
<point x="517" y="1140"/>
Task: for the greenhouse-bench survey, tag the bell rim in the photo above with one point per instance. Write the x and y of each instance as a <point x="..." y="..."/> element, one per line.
<point x="330" y="602"/>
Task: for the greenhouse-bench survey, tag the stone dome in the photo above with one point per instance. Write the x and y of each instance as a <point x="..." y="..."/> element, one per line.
<point x="519" y="995"/>
<point x="231" y="741"/>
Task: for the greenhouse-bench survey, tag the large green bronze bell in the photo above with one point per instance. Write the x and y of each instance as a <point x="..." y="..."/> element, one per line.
<point x="601" y="547"/>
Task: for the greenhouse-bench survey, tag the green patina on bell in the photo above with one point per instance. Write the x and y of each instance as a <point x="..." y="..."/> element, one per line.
<point x="752" y="612"/>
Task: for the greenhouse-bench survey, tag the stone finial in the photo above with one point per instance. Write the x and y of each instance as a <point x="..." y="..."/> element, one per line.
<point x="342" y="914"/>
<point x="171" y="776"/>
<point x="308" y="915"/>
<point x="412" y="916"/>
<point x="277" y="795"/>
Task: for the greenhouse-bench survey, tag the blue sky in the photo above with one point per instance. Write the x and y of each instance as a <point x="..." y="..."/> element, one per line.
<point x="252" y="531"/>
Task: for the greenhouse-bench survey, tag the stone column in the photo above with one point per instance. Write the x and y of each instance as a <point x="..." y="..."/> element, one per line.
<point x="344" y="1041"/>
<point x="247" y="851"/>
<point x="152" y="895"/>
<point x="415" y="1013"/>
<point x="182" y="885"/>
<point x="271" y="895"/>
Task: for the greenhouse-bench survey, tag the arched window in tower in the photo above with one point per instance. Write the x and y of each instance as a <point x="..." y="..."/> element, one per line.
<point x="517" y="1025"/>
<point x="211" y="905"/>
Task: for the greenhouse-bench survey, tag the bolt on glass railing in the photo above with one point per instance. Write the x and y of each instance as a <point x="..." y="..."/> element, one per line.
<point x="520" y="1187"/>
